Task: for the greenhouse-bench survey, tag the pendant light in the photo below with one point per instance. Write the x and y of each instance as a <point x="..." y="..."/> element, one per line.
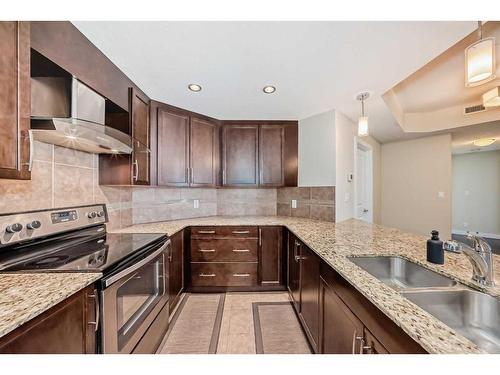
<point x="480" y="60"/>
<point x="363" y="120"/>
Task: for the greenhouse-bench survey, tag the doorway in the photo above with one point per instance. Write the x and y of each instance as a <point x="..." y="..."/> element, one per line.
<point x="363" y="181"/>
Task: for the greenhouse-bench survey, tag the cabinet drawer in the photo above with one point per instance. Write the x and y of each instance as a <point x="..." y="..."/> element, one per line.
<point x="230" y="250"/>
<point x="226" y="231"/>
<point x="223" y="274"/>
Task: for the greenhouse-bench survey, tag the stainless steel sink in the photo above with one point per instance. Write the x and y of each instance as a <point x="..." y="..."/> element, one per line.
<point x="400" y="273"/>
<point x="473" y="314"/>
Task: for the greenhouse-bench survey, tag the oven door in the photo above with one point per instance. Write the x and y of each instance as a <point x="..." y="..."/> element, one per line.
<point x="131" y="300"/>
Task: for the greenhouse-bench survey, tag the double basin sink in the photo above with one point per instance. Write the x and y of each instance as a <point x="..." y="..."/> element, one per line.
<point x="473" y="314"/>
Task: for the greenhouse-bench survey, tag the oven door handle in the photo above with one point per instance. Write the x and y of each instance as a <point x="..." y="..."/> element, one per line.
<point x="136" y="266"/>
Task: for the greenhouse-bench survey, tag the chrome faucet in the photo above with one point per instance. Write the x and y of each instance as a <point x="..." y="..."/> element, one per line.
<point x="480" y="256"/>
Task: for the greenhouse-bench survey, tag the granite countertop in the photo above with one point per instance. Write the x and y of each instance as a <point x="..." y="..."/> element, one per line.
<point x="334" y="242"/>
<point x="24" y="296"/>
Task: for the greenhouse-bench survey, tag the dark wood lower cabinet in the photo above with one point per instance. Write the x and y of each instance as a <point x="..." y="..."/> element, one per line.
<point x="176" y="269"/>
<point x="293" y="269"/>
<point x="67" y="328"/>
<point x="341" y="330"/>
<point x="309" y="293"/>
<point x="271" y="257"/>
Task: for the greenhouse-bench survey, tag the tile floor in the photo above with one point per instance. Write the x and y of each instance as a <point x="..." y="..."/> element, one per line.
<point x="237" y="330"/>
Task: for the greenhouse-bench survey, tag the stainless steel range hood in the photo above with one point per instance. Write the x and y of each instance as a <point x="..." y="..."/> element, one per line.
<point x="67" y="113"/>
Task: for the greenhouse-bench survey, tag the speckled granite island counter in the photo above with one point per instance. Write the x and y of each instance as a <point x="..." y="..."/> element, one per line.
<point x="334" y="242"/>
<point x="23" y="296"/>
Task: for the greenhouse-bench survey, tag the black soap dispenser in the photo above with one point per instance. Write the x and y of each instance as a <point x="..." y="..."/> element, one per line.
<point x="435" y="251"/>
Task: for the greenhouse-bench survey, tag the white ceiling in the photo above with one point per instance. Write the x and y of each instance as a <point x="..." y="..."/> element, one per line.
<point x="316" y="66"/>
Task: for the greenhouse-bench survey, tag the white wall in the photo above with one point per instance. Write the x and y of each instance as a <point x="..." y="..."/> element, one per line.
<point x="476" y="192"/>
<point x="345" y="132"/>
<point x="317" y="150"/>
<point x="413" y="173"/>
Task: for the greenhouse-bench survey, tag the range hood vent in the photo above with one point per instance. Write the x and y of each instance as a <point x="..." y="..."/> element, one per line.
<point x="67" y="113"/>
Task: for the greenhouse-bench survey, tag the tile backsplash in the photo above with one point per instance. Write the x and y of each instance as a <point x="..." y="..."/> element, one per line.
<point x="312" y="202"/>
<point x="63" y="177"/>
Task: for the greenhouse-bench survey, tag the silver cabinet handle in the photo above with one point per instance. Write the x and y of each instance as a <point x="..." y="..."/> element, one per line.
<point x="241" y="251"/>
<point x="367" y="348"/>
<point x="135" y="167"/>
<point x="191" y="175"/>
<point x="241" y="275"/>
<point x="207" y="275"/>
<point x="206" y="232"/>
<point x="241" y="231"/>
<point x="354" y="339"/>
<point x="207" y="250"/>
<point x="96" y="309"/>
<point x="260" y="236"/>
<point x="29" y="137"/>
<point x="297" y="255"/>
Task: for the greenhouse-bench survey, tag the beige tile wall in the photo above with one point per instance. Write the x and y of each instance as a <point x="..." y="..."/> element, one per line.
<point x="63" y="177"/>
<point x="246" y="202"/>
<point x="312" y="202"/>
<point x="158" y="204"/>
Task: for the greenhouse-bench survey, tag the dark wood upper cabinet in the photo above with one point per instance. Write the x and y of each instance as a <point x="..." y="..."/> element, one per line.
<point x="139" y="107"/>
<point x="271" y="155"/>
<point x="240" y="153"/>
<point x="14" y="99"/>
<point x="204" y="153"/>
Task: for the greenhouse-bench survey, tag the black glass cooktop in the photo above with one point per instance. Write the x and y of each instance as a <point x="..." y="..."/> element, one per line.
<point x="88" y="250"/>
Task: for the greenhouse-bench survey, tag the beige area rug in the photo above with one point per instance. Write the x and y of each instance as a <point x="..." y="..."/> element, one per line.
<point x="277" y="329"/>
<point x="195" y="326"/>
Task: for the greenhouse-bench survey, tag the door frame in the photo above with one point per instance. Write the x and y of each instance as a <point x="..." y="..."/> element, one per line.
<point x="359" y="143"/>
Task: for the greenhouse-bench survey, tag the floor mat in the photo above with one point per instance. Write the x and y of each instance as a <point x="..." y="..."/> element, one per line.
<point x="195" y="326"/>
<point x="277" y="329"/>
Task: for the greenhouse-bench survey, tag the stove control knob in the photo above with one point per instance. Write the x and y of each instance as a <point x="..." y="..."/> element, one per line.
<point x="35" y="224"/>
<point x="13" y="228"/>
<point x="92" y="215"/>
<point x="100" y="213"/>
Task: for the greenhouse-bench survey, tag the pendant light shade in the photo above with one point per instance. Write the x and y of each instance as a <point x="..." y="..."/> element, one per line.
<point x="363" y="120"/>
<point x="480" y="63"/>
<point x="363" y="126"/>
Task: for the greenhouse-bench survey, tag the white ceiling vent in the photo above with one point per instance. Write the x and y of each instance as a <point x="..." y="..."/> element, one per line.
<point x="474" y="109"/>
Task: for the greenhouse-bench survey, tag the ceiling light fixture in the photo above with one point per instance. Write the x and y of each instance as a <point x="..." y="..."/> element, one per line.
<point x="269" y="89"/>
<point x="363" y="120"/>
<point x="483" y="142"/>
<point x="492" y="98"/>
<point x="480" y="60"/>
<point x="194" y="87"/>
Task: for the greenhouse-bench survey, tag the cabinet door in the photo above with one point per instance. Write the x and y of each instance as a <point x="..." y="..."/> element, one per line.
<point x="271" y="151"/>
<point x="341" y="330"/>
<point x="293" y="270"/>
<point x="176" y="269"/>
<point x="140" y="132"/>
<point x="67" y="328"/>
<point x="173" y="146"/>
<point x="14" y="99"/>
<point x="309" y="292"/>
<point x="270" y="265"/>
<point x="203" y="153"/>
<point x="240" y="155"/>
<point x="371" y="345"/>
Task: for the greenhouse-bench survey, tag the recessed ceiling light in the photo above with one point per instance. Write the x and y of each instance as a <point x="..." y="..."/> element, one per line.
<point x="269" y="89"/>
<point x="483" y="142"/>
<point x="194" y="87"/>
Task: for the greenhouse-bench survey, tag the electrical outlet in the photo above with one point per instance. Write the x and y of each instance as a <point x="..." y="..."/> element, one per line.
<point x="294" y="203"/>
<point x="196" y="203"/>
<point x="466" y="224"/>
<point x="440" y="194"/>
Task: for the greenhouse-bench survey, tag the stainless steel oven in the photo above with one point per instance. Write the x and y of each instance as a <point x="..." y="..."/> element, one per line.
<point x="131" y="298"/>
